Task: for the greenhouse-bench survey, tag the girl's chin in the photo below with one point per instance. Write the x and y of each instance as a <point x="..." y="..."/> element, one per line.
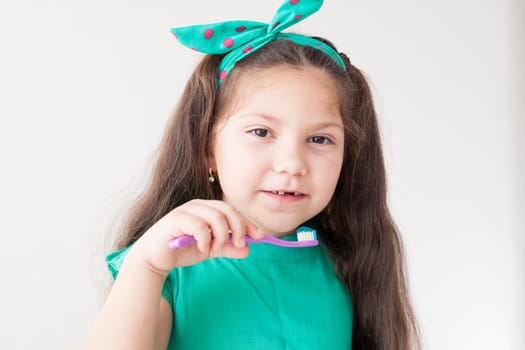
<point x="279" y="234"/>
<point x="273" y="226"/>
<point x="279" y="231"/>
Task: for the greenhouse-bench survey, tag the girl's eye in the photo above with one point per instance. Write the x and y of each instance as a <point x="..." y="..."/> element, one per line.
<point x="320" y="139"/>
<point x="261" y="132"/>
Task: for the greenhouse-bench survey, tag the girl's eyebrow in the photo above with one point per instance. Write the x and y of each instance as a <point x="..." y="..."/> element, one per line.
<point x="321" y="125"/>
<point x="328" y="125"/>
<point x="264" y="116"/>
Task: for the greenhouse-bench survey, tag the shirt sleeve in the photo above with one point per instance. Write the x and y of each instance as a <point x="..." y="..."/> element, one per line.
<point x="114" y="261"/>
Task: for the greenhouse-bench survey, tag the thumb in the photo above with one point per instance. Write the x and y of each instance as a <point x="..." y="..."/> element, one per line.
<point x="230" y="251"/>
<point x="253" y="231"/>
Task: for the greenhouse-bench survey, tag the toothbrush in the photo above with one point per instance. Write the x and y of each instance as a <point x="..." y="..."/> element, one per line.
<point x="306" y="237"/>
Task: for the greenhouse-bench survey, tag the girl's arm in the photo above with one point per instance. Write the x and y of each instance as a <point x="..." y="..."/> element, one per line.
<point x="164" y="325"/>
<point x="134" y="316"/>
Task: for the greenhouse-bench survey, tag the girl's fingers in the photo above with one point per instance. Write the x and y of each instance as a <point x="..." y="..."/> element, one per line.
<point x="192" y="225"/>
<point x="220" y="230"/>
<point x="241" y="225"/>
<point x="230" y="251"/>
<point x="212" y="223"/>
<point x="235" y="222"/>
<point x="253" y="230"/>
<point x="214" y="219"/>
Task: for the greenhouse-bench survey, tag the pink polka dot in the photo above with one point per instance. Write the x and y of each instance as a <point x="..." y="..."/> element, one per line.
<point x="276" y="24"/>
<point x="297" y="17"/>
<point x="222" y="75"/>
<point x="228" y="42"/>
<point x="240" y="29"/>
<point x="208" y="33"/>
<point x="247" y="49"/>
<point x="175" y="35"/>
<point x="194" y="49"/>
<point x="294" y="2"/>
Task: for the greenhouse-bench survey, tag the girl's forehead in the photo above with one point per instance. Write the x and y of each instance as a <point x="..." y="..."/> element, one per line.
<point x="285" y="88"/>
<point x="277" y="77"/>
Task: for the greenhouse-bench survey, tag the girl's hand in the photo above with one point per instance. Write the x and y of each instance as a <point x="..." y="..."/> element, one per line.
<point x="209" y="222"/>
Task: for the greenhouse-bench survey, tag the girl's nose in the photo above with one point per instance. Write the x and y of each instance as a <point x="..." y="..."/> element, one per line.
<point x="290" y="159"/>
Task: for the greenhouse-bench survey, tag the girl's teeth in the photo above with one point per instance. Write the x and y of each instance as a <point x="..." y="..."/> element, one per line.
<point x="282" y="193"/>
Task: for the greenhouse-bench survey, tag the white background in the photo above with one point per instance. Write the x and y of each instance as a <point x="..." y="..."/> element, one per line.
<point x="87" y="87"/>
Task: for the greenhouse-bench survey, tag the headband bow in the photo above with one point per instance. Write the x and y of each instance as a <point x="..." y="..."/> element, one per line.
<point x="241" y="38"/>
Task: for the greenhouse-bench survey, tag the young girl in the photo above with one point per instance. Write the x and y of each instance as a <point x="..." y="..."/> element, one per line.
<point x="274" y="131"/>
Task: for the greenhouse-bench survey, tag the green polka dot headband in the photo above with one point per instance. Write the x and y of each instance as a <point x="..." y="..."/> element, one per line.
<point x="240" y="38"/>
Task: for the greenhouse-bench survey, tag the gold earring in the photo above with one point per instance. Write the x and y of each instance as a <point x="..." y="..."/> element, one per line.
<point x="211" y="178"/>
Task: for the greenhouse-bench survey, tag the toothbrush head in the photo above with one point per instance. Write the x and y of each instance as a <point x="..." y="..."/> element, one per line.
<point x="305" y="233"/>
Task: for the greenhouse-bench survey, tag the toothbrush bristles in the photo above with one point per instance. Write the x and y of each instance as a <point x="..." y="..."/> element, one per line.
<point x="306" y="235"/>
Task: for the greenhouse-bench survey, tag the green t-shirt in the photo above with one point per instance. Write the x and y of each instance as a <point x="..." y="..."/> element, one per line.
<point x="276" y="298"/>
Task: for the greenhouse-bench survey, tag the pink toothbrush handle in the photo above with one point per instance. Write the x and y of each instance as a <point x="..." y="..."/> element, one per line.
<point x="282" y="243"/>
<point x="182" y="241"/>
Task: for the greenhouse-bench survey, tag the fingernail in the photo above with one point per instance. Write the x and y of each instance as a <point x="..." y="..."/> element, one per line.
<point x="240" y="243"/>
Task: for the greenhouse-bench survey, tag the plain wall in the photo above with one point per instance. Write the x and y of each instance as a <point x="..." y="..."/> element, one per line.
<point x="86" y="89"/>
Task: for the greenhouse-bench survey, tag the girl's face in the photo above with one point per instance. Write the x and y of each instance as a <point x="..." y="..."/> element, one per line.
<point x="279" y="151"/>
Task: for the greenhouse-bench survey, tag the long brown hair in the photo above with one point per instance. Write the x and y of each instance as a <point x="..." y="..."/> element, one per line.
<point x="357" y="228"/>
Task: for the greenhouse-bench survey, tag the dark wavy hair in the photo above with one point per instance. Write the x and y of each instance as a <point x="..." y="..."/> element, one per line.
<point x="357" y="227"/>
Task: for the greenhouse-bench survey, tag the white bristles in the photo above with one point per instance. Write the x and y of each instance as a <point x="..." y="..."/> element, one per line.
<point x="306" y="234"/>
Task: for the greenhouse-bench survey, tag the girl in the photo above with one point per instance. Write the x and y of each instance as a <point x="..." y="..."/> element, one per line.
<point x="273" y="131"/>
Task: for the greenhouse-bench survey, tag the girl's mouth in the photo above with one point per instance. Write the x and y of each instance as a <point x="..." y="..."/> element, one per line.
<point x="287" y="193"/>
<point x="288" y="196"/>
